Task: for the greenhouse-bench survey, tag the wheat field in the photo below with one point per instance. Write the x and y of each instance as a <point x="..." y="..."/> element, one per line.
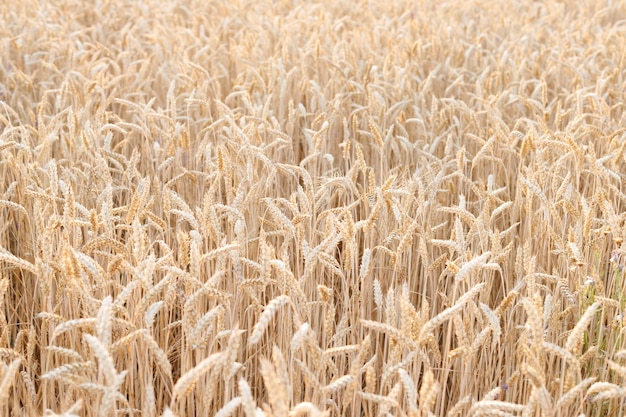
<point x="312" y="208"/>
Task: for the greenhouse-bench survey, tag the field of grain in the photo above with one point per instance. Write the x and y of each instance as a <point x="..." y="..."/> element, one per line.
<point x="312" y="208"/>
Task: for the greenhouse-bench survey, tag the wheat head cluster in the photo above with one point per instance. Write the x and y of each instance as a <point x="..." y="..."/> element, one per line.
<point x="312" y="208"/>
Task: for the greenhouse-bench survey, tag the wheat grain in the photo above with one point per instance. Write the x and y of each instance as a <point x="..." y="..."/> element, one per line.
<point x="17" y="262"/>
<point x="278" y="396"/>
<point x="68" y="370"/>
<point x="188" y="380"/>
<point x="248" y="402"/>
<point x="601" y="391"/>
<point x="306" y="408"/>
<point x="229" y="408"/>
<point x="103" y="322"/>
<point x="572" y="394"/>
<point x="8" y="379"/>
<point x="105" y="360"/>
<point x="573" y="340"/>
<point x="160" y="356"/>
<point x="266" y="317"/>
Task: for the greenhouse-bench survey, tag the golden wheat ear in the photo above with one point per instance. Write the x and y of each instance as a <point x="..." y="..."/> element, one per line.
<point x="306" y="209"/>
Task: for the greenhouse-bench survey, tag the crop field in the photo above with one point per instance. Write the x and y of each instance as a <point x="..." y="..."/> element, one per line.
<point x="312" y="208"/>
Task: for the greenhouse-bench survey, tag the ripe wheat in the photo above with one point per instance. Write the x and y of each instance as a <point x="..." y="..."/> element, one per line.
<point x="258" y="208"/>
